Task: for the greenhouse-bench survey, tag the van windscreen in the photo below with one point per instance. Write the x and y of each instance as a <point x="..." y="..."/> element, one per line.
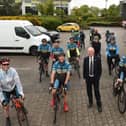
<point x="33" y="30"/>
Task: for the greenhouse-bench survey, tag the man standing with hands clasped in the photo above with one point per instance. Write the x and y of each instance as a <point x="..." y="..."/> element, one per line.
<point x="92" y="70"/>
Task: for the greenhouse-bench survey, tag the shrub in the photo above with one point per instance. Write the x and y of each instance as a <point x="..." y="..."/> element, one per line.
<point x="50" y="22"/>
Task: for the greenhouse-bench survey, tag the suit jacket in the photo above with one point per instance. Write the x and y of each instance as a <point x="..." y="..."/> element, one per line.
<point x="97" y="67"/>
<point x="97" y="47"/>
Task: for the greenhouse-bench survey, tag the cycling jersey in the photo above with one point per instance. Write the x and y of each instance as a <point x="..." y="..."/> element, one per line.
<point x="56" y="51"/>
<point x="122" y="68"/>
<point x="8" y="81"/>
<point x="72" y="50"/>
<point x="61" y="70"/>
<point x="112" y="50"/>
<point x="44" y="50"/>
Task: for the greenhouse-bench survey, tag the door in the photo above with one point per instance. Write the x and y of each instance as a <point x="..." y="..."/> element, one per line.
<point x="21" y="39"/>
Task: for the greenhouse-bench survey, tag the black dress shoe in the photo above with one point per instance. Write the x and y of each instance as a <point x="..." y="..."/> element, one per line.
<point x="99" y="109"/>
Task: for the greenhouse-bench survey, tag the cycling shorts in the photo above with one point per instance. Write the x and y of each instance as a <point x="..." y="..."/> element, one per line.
<point x="7" y="95"/>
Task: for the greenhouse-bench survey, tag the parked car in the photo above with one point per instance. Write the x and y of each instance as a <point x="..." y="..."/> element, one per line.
<point x="52" y="34"/>
<point x="20" y="36"/>
<point x="124" y="24"/>
<point x="68" y="27"/>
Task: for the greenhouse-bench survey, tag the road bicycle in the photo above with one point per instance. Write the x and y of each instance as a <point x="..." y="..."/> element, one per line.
<point x="42" y="68"/>
<point x="20" y="110"/>
<point x="75" y="65"/>
<point x="58" y="102"/>
<point x="114" y="67"/>
<point x="118" y="90"/>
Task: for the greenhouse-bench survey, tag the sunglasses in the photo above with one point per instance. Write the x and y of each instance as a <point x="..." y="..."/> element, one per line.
<point x="6" y="64"/>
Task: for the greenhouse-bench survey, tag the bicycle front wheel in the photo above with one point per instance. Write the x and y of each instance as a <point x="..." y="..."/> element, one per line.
<point x="78" y="70"/>
<point x="113" y="86"/>
<point x="122" y="101"/>
<point x="41" y="71"/>
<point x="22" y="117"/>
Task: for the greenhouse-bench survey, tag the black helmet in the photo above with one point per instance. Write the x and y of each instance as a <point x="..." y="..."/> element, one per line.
<point x="44" y="40"/>
<point x="61" y="54"/>
<point x="56" y="41"/>
<point x="107" y="31"/>
<point x="4" y="59"/>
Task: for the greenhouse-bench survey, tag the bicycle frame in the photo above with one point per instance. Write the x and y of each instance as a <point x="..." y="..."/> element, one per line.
<point x="57" y="100"/>
<point x="75" y="64"/>
<point x="21" y="111"/>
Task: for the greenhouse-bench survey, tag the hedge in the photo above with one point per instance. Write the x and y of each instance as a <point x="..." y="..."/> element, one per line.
<point x="51" y="22"/>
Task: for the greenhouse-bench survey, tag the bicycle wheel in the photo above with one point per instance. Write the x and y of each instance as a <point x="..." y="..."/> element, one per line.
<point x="41" y="71"/>
<point x="55" y="109"/>
<point x="113" y="87"/>
<point x="22" y="117"/>
<point x="122" y="101"/>
<point x="77" y="67"/>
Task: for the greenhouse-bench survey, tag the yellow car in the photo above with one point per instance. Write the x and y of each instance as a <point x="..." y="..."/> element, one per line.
<point x="68" y="27"/>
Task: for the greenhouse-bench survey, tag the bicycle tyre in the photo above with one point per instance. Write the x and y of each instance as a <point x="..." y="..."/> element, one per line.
<point x="78" y="73"/>
<point x="22" y="117"/>
<point x="113" y="87"/>
<point x="41" y="71"/>
<point x="122" y="101"/>
<point x="77" y="67"/>
<point x="55" y="110"/>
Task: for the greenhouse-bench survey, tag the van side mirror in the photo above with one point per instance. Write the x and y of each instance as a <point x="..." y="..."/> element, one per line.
<point x="27" y="36"/>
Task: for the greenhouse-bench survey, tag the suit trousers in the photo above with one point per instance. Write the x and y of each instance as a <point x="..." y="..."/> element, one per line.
<point x="92" y="82"/>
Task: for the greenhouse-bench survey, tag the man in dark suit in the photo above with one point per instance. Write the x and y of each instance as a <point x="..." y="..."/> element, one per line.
<point x="92" y="70"/>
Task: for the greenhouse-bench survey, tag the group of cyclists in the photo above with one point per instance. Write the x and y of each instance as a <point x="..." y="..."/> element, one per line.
<point x="112" y="53"/>
<point x="61" y="67"/>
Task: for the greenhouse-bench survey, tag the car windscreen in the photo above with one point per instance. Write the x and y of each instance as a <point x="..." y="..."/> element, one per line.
<point x="33" y="30"/>
<point x="41" y="29"/>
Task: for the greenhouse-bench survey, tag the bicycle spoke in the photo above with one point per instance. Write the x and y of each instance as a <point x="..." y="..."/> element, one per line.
<point x="122" y="101"/>
<point x="22" y="117"/>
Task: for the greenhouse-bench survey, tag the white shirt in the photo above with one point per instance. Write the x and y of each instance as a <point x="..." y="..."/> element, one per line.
<point x="91" y="58"/>
<point x="8" y="80"/>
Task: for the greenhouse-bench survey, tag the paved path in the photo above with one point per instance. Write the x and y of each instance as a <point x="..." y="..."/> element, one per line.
<point x="38" y="99"/>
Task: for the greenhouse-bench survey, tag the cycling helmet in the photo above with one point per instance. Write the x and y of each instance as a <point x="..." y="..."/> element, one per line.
<point x="44" y="40"/>
<point x="71" y="38"/>
<point x="61" y="54"/>
<point x="56" y="41"/>
<point x="123" y="58"/>
<point x="107" y="31"/>
<point x="4" y="60"/>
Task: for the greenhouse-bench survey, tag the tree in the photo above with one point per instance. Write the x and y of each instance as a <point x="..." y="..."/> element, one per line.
<point x="95" y="11"/>
<point x="46" y="8"/>
<point x="85" y="12"/>
<point x="9" y="7"/>
<point x="59" y="12"/>
<point x="114" y="11"/>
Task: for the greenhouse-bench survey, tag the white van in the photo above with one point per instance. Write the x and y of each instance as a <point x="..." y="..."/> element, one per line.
<point x="19" y="36"/>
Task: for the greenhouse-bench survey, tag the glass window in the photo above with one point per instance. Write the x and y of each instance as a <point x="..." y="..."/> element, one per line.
<point x="20" y="32"/>
<point x="27" y="1"/>
<point x="33" y="30"/>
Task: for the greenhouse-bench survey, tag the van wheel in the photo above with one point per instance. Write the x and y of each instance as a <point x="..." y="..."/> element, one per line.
<point x="33" y="51"/>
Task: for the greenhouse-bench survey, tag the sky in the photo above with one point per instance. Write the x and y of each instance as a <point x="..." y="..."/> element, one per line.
<point x="97" y="3"/>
